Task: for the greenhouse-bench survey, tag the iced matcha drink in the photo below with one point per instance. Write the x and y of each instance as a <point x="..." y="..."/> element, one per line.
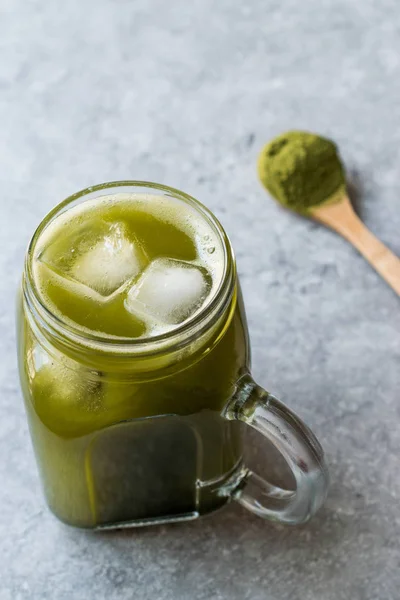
<point x="132" y="340"/>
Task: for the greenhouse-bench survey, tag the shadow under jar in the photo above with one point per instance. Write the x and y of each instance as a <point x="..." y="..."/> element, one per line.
<point x="145" y="429"/>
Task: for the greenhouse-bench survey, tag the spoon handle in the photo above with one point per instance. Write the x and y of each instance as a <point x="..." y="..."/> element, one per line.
<point x="342" y="218"/>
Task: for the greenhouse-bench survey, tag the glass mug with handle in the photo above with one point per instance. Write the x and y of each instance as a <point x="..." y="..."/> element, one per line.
<point x="134" y="363"/>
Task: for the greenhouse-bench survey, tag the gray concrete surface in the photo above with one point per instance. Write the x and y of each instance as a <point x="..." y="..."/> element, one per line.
<point x="185" y="93"/>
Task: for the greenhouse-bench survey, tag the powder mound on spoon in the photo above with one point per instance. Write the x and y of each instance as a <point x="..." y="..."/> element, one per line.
<point x="302" y="170"/>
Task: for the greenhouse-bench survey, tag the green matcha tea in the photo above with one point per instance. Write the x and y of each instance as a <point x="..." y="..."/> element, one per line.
<point x="132" y="339"/>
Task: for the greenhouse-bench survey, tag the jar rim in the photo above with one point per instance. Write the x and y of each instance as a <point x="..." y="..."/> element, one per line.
<point x="180" y="336"/>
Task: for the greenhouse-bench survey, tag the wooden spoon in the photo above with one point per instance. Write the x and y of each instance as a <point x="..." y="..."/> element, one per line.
<point x="340" y="217"/>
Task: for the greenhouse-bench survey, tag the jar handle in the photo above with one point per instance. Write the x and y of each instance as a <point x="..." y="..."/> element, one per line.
<point x="299" y="447"/>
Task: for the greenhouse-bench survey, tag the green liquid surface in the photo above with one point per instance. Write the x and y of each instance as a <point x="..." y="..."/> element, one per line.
<point x="92" y="259"/>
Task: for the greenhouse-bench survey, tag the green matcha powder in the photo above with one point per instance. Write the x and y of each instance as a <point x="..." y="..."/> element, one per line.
<point x="302" y="170"/>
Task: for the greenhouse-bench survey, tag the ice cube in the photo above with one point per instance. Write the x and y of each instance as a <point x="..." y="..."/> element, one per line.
<point x="169" y="290"/>
<point x="110" y="263"/>
<point x="102" y="256"/>
<point x="66" y="399"/>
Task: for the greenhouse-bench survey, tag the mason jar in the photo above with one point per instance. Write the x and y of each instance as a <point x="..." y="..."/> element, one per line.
<point x="135" y="431"/>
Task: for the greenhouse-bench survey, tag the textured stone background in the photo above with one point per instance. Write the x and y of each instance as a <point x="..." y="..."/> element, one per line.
<point x="185" y="93"/>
